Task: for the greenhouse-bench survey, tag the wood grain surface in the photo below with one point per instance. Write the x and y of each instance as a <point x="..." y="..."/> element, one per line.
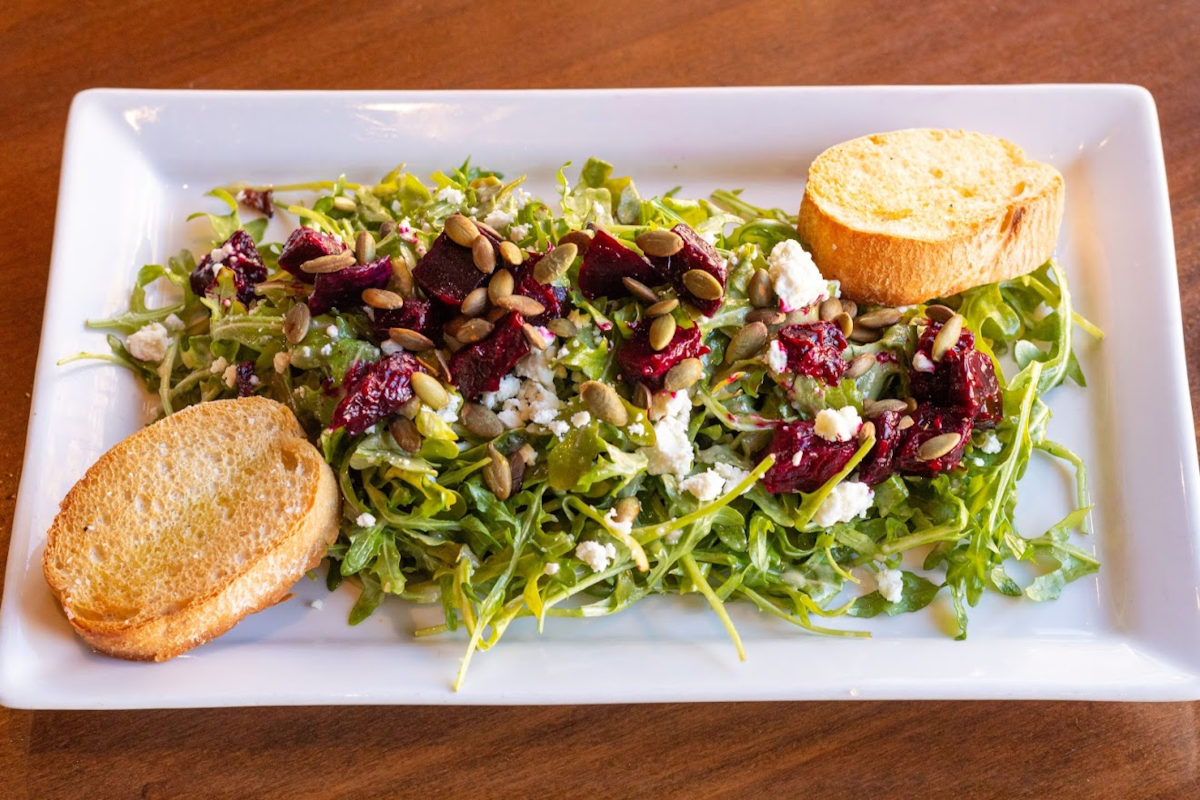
<point x="52" y="50"/>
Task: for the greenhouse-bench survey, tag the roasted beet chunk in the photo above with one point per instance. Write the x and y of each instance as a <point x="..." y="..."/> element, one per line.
<point x="260" y="201"/>
<point x="305" y="244"/>
<point x="928" y="423"/>
<point x="423" y="316"/>
<point x="606" y="262"/>
<point x="375" y="393"/>
<point x="553" y="298"/>
<point x="448" y="272"/>
<point x="815" y="349"/>
<point x="478" y="368"/>
<point x="237" y="254"/>
<point x="880" y="461"/>
<point x="964" y="380"/>
<point x="344" y="288"/>
<point x="641" y="363"/>
<point x="803" y="460"/>
<point x="696" y="254"/>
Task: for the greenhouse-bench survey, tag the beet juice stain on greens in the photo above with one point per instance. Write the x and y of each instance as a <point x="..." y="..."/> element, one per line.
<point x="556" y="410"/>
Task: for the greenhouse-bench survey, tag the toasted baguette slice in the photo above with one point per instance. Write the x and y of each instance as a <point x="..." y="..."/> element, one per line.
<point x="907" y="216"/>
<point x="187" y="526"/>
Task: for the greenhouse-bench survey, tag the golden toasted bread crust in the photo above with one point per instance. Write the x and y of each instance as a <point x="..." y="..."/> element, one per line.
<point x="880" y="214"/>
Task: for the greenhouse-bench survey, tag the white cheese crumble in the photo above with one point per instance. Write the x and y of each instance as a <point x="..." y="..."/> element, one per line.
<point x="625" y="527"/>
<point x="890" y="583"/>
<point x="449" y="412"/>
<point x="332" y="331"/>
<point x="498" y="218"/>
<point x="230" y="375"/>
<point x="450" y="195"/>
<point x="518" y="232"/>
<point x="509" y="386"/>
<point x="797" y="281"/>
<point x="365" y="520"/>
<point x="922" y="362"/>
<point x="389" y="347"/>
<point x="846" y="501"/>
<point x="173" y="323"/>
<point x="704" y="486"/>
<point x="991" y="443"/>
<point x="580" y="418"/>
<point x="732" y="474"/>
<point x="551" y="568"/>
<point x="636" y="429"/>
<point x="838" y="426"/>
<point x="218" y="366"/>
<point x="776" y="357"/>
<point x="316" y="605"/>
<point x="672" y="452"/>
<point x="219" y="254"/>
<point x="282" y="361"/>
<point x="797" y="457"/>
<point x="148" y="343"/>
<point x="595" y="555"/>
<point x="557" y="427"/>
<point x="537" y="365"/>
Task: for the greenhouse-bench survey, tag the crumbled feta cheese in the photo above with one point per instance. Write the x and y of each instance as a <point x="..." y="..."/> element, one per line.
<point x="509" y="386"/>
<point x="148" y="343"/>
<point x="838" y="426"/>
<point x="533" y="402"/>
<point x="173" y="323"/>
<point x="557" y="427"/>
<point x="672" y="451"/>
<point x="704" y="486"/>
<point x="776" y="357"/>
<point x="922" y="362"/>
<point x="625" y="527"/>
<point x="580" y="418"/>
<point x="890" y="583"/>
<point x="316" y="605"/>
<point x="499" y="218"/>
<point x="797" y="281"/>
<point x="449" y="412"/>
<point x="449" y="194"/>
<point x="332" y="331"/>
<point x="846" y="501"/>
<point x="797" y="457"/>
<point x="230" y="375"/>
<point x="521" y="197"/>
<point x="518" y="232"/>
<point x="991" y="443"/>
<point x="732" y="474"/>
<point x="221" y="253"/>
<point x="218" y="366"/>
<point x="389" y="347"/>
<point x="636" y="429"/>
<point x="282" y="361"/>
<point x="326" y="350"/>
<point x="538" y="365"/>
<point x="364" y="520"/>
<point x="595" y="555"/>
<point x="550" y="569"/>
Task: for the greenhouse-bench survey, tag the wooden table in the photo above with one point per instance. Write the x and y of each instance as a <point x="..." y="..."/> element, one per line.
<point x="986" y="749"/>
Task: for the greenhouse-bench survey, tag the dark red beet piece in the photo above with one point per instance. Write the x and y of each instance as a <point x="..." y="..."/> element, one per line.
<point x="240" y="256"/>
<point x="246" y="381"/>
<point x="606" y="262"/>
<point x="930" y="422"/>
<point x="880" y="461"/>
<point x="260" y="201"/>
<point x="344" y="288"/>
<point x="696" y="254"/>
<point x="479" y="367"/>
<point x="641" y="363"/>
<point x="375" y="393"/>
<point x="448" y="272"/>
<point x="553" y="298"/>
<point x="305" y="244"/>
<point x="815" y="349"/>
<point x="819" y="459"/>
<point x="423" y="316"/>
<point x="964" y="380"/>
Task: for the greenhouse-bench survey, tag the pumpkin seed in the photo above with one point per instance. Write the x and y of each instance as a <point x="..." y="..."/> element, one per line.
<point x="662" y="331"/>
<point x="844" y="323"/>
<point x="850" y="307"/>
<point x="627" y="509"/>
<point x="683" y="375"/>
<point x="526" y="306"/>
<point x="481" y="421"/>
<point x="830" y="309"/>
<point x="534" y="336"/>
<point x="873" y="408"/>
<point x="760" y="291"/>
<point x="483" y="226"/>
<point x="581" y="239"/>
<point x="642" y="396"/>
<point x="561" y="326"/>
<point x="402" y="279"/>
<point x="344" y="204"/>
<point x="443" y="366"/>
<point x="410" y="407"/>
<point x="511" y="253"/>
<point x="554" y="264"/>
<point x="500" y="286"/>
<point x="410" y="339"/>
<point x="797" y="317"/>
<point x="604" y="403"/>
<point x="767" y="316"/>
<point x="640" y="290"/>
<point x="452" y="344"/>
<point x="382" y="298"/>
<point x="473" y="330"/>
<point x="703" y="285"/>
<point x="527" y="453"/>
<point x="476" y="302"/>
<point x="387" y="228"/>
<point x="496" y="314"/>
<point x="864" y="335"/>
<point x="939" y="313"/>
<point x="866" y="431"/>
<point x="947" y="337"/>
<point x="879" y="318"/>
<point x="497" y="474"/>
<point x="364" y="247"/>
<point x="905" y="423"/>
<point x="484" y="255"/>
<point x="938" y="446"/>
<point x="747" y="342"/>
<point x="295" y="323"/>
<point x="663" y="307"/>
<point x="461" y="230"/>
<point x="405" y="433"/>
<point x="516" y="470"/>
<point x="430" y="390"/>
<point x="859" y="365"/>
<point x="335" y="262"/>
<point x="659" y="243"/>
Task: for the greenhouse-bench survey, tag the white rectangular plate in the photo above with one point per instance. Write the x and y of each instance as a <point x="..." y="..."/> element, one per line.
<point x="137" y="162"/>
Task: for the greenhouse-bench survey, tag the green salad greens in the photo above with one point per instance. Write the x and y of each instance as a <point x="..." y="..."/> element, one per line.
<point x="675" y="498"/>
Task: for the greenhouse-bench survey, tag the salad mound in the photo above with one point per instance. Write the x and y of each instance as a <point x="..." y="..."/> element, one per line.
<point x="556" y="410"/>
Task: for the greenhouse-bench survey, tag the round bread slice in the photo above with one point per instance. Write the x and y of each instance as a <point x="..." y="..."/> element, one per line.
<point x="188" y="525"/>
<point x="903" y="217"/>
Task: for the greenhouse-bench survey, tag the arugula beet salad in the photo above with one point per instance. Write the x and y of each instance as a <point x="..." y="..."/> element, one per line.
<point x="548" y="410"/>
